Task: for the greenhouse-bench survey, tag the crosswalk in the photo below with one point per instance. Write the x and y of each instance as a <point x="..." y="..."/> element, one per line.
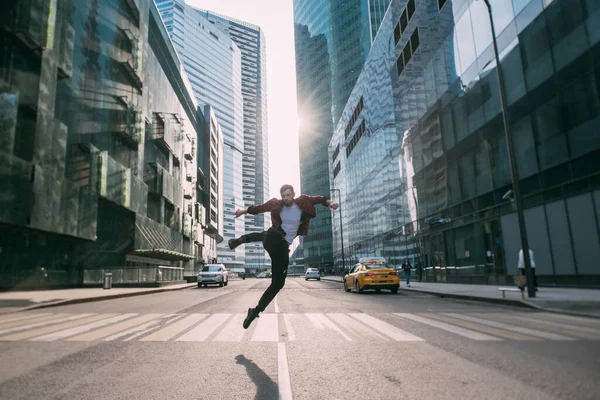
<point x="291" y="327"/>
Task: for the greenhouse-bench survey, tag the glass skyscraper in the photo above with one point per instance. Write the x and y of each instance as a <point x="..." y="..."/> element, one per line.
<point x="255" y="164"/>
<point x="332" y="40"/>
<point x="420" y="153"/>
<point x="212" y="62"/>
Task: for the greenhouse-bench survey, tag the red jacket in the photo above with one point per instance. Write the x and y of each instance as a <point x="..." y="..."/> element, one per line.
<point x="304" y="202"/>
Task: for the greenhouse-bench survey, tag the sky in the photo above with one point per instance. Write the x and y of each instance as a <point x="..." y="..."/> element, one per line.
<point x="276" y="19"/>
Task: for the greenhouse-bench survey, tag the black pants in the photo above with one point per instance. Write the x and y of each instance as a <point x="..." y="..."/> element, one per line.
<point x="535" y="285"/>
<point x="279" y="250"/>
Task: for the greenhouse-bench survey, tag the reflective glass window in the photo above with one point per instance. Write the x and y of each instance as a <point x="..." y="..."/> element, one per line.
<point x="581" y="112"/>
<point x="524" y="147"/>
<point x="502" y="11"/>
<point x="537" y="59"/>
<point x="464" y="35"/>
<point x="551" y="143"/>
<point x="481" y="26"/>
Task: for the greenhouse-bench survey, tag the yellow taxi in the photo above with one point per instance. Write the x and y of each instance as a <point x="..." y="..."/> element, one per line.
<point x="371" y="273"/>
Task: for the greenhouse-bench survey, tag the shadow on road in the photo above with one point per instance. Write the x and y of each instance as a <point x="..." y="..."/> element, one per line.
<point x="266" y="388"/>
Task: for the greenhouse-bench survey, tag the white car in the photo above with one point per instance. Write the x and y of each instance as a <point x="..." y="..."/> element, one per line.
<point x="215" y="274"/>
<point x="312" y="273"/>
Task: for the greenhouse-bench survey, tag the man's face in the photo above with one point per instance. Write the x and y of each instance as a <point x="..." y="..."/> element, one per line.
<point x="288" y="197"/>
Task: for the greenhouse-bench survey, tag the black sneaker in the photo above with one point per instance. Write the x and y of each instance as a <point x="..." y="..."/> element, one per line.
<point x="252" y="314"/>
<point x="233" y="243"/>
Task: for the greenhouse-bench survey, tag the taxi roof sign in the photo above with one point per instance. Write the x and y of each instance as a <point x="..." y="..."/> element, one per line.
<point x="372" y="260"/>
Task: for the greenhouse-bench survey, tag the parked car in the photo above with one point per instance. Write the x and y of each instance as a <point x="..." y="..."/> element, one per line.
<point x="215" y="274"/>
<point x="312" y="273"/>
<point x="263" y="275"/>
<point x="371" y="273"/>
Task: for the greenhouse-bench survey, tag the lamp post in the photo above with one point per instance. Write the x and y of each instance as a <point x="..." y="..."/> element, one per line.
<point x="512" y="161"/>
<point x="341" y="227"/>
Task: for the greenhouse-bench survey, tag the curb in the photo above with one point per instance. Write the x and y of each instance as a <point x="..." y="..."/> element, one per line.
<point x="97" y="298"/>
<point x="491" y="300"/>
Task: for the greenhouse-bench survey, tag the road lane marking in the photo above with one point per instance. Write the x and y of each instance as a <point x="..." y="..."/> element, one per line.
<point x="283" y="373"/>
<point x="204" y="329"/>
<point x="4" y="327"/>
<point x="82" y="320"/>
<point x="112" y="329"/>
<point x="556" y="324"/>
<point x="287" y="319"/>
<point x="581" y="321"/>
<point x="385" y="328"/>
<point x="83" y="328"/>
<point x="526" y="331"/>
<point x="315" y="321"/>
<point x="4" y="320"/>
<point x="267" y="329"/>
<point x="174" y="329"/>
<point x="447" y="327"/>
<point x="355" y="327"/>
<point x="548" y="326"/>
<point x="482" y="328"/>
<point x="45" y="323"/>
<point x="233" y="331"/>
<point x="329" y="324"/>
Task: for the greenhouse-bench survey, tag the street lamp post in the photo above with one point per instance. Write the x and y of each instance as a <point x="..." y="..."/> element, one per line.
<point x="512" y="161"/>
<point x="341" y="227"/>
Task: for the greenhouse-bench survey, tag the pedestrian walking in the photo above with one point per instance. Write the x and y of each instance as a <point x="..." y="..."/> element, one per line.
<point x="521" y="267"/>
<point x="290" y="217"/>
<point x="406" y="267"/>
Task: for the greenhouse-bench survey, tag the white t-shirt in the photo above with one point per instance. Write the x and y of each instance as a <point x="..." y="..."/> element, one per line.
<point x="522" y="260"/>
<point x="290" y="221"/>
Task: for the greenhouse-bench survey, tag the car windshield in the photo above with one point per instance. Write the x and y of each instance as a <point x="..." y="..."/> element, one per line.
<point x="211" y="268"/>
<point x="375" y="266"/>
<point x="312" y="270"/>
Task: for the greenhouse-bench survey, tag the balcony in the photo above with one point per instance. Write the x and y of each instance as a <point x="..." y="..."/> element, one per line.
<point x="159" y="181"/>
<point x="129" y="124"/>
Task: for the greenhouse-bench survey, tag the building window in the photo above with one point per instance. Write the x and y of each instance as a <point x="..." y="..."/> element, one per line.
<point x="410" y="8"/>
<point x="336" y="170"/>
<point x="403" y="22"/>
<point x="397" y="33"/>
<point x="414" y="40"/>
<point x="441" y="4"/>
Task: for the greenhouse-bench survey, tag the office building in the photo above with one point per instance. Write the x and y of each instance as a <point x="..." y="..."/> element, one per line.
<point x="98" y="173"/>
<point x="420" y="152"/>
<point x="255" y="164"/>
<point x="333" y="38"/>
<point x="212" y="62"/>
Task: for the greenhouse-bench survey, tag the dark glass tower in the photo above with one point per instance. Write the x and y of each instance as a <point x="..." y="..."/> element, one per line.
<point x="333" y="38"/>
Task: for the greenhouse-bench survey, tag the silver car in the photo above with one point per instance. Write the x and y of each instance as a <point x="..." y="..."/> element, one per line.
<point x="215" y="274"/>
<point x="312" y="273"/>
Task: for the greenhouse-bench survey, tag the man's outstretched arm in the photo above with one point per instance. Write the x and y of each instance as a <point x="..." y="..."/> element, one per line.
<point x="258" y="209"/>
<point x="324" y="200"/>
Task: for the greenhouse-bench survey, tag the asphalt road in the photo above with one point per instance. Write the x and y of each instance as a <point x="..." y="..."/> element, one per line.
<point x="313" y="342"/>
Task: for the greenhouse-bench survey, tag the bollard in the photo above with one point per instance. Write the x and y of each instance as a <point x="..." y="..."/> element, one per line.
<point x="107" y="280"/>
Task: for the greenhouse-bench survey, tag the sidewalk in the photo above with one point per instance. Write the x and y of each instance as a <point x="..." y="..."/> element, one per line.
<point x="583" y="302"/>
<point x="29" y="300"/>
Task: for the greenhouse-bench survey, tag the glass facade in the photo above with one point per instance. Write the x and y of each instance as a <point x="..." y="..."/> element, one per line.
<point x="212" y="62"/>
<point x="97" y="172"/>
<point x="431" y="168"/>
<point x="332" y="39"/>
<point x="251" y="41"/>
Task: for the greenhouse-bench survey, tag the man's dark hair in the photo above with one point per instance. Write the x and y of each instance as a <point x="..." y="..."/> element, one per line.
<point x="286" y="187"/>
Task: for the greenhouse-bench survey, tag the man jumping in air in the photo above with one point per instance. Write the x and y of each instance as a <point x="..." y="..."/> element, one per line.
<point x="290" y="217"/>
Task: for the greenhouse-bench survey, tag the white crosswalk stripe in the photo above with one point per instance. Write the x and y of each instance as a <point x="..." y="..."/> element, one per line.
<point x="294" y="327"/>
<point x="447" y="327"/>
<point x="526" y="331"/>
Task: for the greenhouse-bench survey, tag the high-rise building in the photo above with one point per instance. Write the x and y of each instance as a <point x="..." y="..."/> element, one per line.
<point x="255" y="165"/>
<point x="420" y="151"/>
<point x="213" y="63"/>
<point x="333" y="38"/>
<point x="98" y="160"/>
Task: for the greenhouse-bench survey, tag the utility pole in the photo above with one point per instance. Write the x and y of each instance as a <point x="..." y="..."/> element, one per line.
<point x="512" y="161"/>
